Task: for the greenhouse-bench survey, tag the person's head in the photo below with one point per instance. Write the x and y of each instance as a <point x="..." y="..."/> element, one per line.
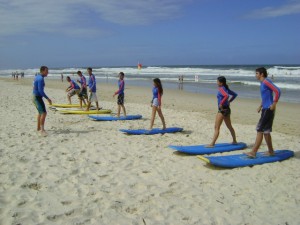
<point x="68" y="79"/>
<point x="157" y="83"/>
<point x="221" y="81"/>
<point x="44" y="71"/>
<point x="79" y="73"/>
<point x="90" y="70"/>
<point x="121" y="75"/>
<point x="261" y="73"/>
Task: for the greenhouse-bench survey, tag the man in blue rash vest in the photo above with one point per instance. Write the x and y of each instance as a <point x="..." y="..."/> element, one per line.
<point x="120" y="93"/>
<point x="83" y="90"/>
<point x="73" y="89"/>
<point x="267" y="108"/>
<point x="92" y="87"/>
<point x="38" y="95"/>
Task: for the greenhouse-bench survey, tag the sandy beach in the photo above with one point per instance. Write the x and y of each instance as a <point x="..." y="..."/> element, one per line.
<point x="87" y="172"/>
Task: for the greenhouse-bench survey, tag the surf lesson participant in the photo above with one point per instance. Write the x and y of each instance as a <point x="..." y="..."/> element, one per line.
<point x="156" y="103"/>
<point x="72" y="90"/>
<point x="267" y="109"/>
<point x="92" y="89"/>
<point x="120" y="93"/>
<point x="38" y="95"/>
<point x="83" y="90"/>
<point x="224" y="110"/>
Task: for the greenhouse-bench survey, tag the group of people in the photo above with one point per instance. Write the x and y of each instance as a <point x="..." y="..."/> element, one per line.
<point x="264" y="126"/>
<point x="15" y="75"/>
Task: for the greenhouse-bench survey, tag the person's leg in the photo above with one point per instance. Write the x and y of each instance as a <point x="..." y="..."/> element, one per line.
<point x="119" y="111"/>
<point x="218" y="123"/>
<point x="152" y="117"/>
<point x="42" y="122"/>
<point x="227" y="121"/>
<point x="38" y="122"/>
<point x="69" y="99"/>
<point x="124" y="110"/>
<point x="97" y="105"/>
<point x="268" y="139"/>
<point x="88" y="106"/>
<point x="258" y="141"/>
<point x="161" y="117"/>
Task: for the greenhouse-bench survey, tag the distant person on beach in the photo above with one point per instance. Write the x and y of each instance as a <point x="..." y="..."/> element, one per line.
<point x="224" y="110"/>
<point x="62" y="77"/>
<point x="156" y="102"/>
<point x="267" y="108"/>
<point x="83" y="90"/>
<point x="92" y="89"/>
<point x="38" y="94"/>
<point x="72" y="90"/>
<point x="120" y="93"/>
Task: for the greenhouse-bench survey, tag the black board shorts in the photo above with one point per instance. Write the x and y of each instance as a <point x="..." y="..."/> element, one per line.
<point x="120" y="99"/>
<point x="39" y="104"/>
<point x="265" y="122"/>
<point x="225" y="111"/>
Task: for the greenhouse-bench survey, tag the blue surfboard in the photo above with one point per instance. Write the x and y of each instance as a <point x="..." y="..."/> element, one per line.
<point x="240" y="160"/>
<point x="201" y="149"/>
<point x="113" y="118"/>
<point x="153" y="131"/>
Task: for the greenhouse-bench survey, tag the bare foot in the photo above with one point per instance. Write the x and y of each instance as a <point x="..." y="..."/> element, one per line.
<point x="209" y="146"/>
<point x="269" y="153"/>
<point x="234" y="143"/>
<point x="251" y="155"/>
<point x="44" y="133"/>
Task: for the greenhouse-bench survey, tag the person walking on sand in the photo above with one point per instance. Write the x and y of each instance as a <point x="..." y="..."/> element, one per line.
<point x="267" y="109"/>
<point x="224" y="110"/>
<point x="72" y="90"/>
<point x="38" y="94"/>
<point x="120" y="93"/>
<point x="156" y="102"/>
<point x="62" y="77"/>
<point x="83" y="90"/>
<point x="92" y="89"/>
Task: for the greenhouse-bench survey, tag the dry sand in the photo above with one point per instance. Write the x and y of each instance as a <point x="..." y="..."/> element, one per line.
<point x="87" y="172"/>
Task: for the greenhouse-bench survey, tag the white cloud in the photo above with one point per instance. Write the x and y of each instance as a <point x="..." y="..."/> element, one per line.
<point x="270" y="12"/>
<point x="80" y="16"/>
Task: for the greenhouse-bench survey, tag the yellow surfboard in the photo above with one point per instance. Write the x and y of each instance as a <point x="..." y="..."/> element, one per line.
<point x="82" y="112"/>
<point x="66" y="105"/>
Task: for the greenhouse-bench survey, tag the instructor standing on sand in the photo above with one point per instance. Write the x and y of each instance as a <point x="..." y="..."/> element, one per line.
<point x="38" y="94"/>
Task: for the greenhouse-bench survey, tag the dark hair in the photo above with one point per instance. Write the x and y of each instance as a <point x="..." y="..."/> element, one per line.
<point x="121" y="73"/>
<point x="68" y="78"/>
<point x="222" y="80"/>
<point x="159" y="85"/>
<point x="43" y="68"/>
<point x="90" y="69"/>
<point x="79" y="72"/>
<point x="262" y="70"/>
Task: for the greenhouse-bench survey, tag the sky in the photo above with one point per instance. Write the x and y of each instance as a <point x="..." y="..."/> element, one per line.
<point x="77" y="33"/>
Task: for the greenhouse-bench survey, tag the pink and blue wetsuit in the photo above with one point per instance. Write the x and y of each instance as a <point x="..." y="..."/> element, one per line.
<point x="266" y="90"/>
<point x="156" y="100"/>
<point x="223" y="96"/>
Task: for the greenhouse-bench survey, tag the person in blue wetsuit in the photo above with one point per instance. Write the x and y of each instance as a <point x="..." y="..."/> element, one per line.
<point x="72" y="90"/>
<point x="267" y="109"/>
<point x="156" y="102"/>
<point x="38" y="95"/>
<point x="224" y="110"/>
<point x="83" y="90"/>
<point x="93" y="89"/>
<point x="120" y="93"/>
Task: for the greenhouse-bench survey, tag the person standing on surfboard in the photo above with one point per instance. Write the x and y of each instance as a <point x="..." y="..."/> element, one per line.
<point x="38" y="94"/>
<point x="120" y="94"/>
<point x="83" y="90"/>
<point x="92" y="87"/>
<point x="267" y="109"/>
<point x="224" y="110"/>
<point x="156" y="102"/>
<point x="73" y="89"/>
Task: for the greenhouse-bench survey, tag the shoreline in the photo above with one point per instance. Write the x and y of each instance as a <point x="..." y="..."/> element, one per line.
<point x="243" y="109"/>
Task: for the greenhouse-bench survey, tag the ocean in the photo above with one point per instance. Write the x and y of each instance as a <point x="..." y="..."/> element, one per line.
<point x="196" y="78"/>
